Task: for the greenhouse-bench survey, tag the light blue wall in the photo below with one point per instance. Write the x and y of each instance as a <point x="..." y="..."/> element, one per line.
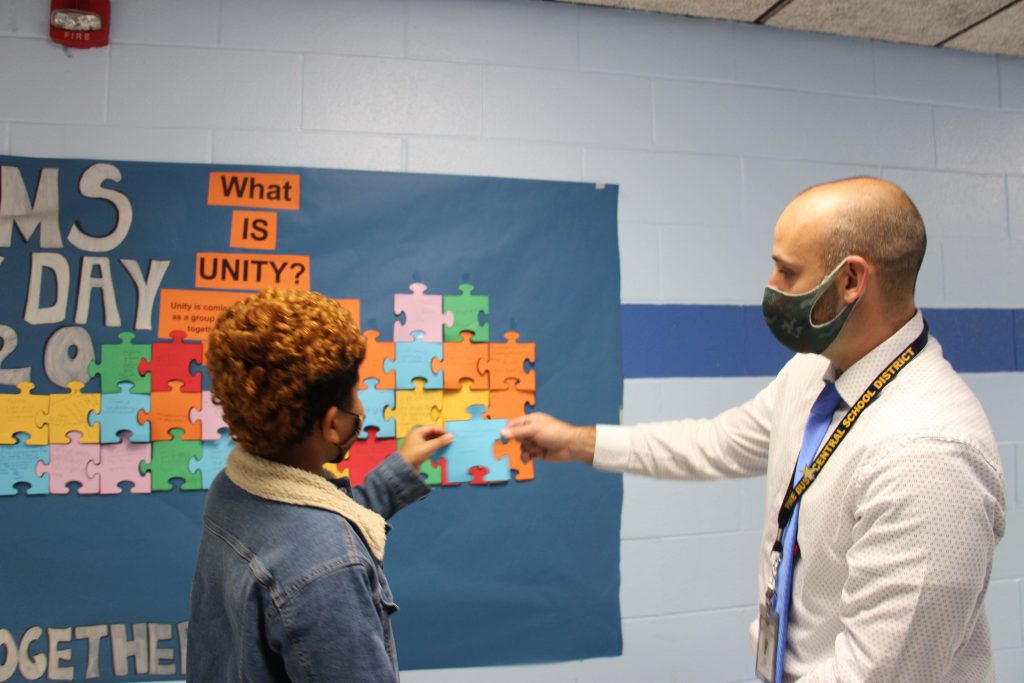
<point x="708" y="127"/>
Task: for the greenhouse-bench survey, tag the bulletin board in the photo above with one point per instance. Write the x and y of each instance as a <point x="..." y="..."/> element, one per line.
<point x="104" y="262"/>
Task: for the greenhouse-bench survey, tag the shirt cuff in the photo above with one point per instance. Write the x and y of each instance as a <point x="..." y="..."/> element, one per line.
<point x="612" y="449"/>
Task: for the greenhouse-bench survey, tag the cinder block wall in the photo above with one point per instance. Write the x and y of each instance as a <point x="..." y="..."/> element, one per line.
<point x="708" y="127"/>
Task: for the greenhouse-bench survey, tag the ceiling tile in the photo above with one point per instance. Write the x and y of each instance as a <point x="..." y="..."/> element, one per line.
<point x="738" y="10"/>
<point x="1003" y="34"/>
<point x="925" y="22"/>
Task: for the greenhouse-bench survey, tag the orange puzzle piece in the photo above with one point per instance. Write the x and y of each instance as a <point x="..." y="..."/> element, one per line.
<point x="516" y="462"/>
<point x="511" y="402"/>
<point x="373" y="363"/>
<point x="461" y="360"/>
<point x="172" y="410"/>
<point x="507" y="360"/>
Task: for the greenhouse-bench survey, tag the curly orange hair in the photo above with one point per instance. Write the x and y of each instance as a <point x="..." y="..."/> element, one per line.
<point x="278" y="361"/>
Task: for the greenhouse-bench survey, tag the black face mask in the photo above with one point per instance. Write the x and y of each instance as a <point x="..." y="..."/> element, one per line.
<point x="344" y="446"/>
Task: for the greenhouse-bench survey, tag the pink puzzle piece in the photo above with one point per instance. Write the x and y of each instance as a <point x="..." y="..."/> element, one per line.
<point x="424" y="312"/>
<point x="70" y="463"/>
<point x="210" y="418"/>
<point x="119" y="462"/>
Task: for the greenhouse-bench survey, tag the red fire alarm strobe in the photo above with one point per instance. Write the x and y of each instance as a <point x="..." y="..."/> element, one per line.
<point x="80" y="23"/>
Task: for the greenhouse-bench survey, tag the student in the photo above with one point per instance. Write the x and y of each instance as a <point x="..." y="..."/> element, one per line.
<point x="289" y="583"/>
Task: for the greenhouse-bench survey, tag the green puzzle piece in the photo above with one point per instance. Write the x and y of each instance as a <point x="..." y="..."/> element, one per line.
<point x="466" y="309"/>
<point x="120" y="363"/>
<point x="171" y="461"/>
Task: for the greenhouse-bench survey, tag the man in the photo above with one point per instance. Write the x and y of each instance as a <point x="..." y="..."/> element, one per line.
<point x="874" y="563"/>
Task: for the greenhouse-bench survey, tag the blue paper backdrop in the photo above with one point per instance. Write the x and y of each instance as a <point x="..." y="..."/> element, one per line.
<point x="523" y="572"/>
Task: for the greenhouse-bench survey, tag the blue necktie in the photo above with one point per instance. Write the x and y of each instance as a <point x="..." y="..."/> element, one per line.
<point x="817" y="423"/>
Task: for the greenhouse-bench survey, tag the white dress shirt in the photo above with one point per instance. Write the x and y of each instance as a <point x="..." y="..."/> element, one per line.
<point x="896" y="534"/>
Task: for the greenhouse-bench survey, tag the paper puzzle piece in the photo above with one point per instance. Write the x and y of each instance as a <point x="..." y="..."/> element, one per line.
<point x="478" y="475"/>
<point x="70" y="413"/>
<point x="120" y="463"/>
<point x="379" y="406"/>
<point x="511" y="402"/>
<point x="119" y="412"/>
<point x="507" y="361"/>
<point x="18" y="466"/>
<point x="120" y="363"/>
<point x="210" y="418"/>
<point x="171" y="461"/>
<point x="466" y="310"/>
<point x="365" y="455"/>
<point x="172" y="361"/>
<point x="377" y="354"/>
<point x="70" y="463"/>
<point x="512" y="452"/>
<point x="433" y="471"/>
<point x="20" y="412"/>
<point x="214" y="457"/>
<point x="171" y="410"/>
<point x="423" y="312"/>
<point x="474" y="447"/>
<point x="463" y="360"/>
<point x="455" y="404"/>
<point x="414" y="360"/>
<point x="416" y="407"/>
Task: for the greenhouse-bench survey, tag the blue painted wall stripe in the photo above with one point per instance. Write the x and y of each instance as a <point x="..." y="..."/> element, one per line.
<point x="732" y="341"/>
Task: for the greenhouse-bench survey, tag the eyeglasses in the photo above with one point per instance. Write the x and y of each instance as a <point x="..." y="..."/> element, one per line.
<point x="359" y="420"/>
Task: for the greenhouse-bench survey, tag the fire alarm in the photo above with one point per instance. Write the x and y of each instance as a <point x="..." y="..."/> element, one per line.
<point x="80" y="23"/>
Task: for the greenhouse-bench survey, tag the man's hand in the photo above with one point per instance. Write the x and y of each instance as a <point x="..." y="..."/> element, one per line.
<point x="548" y="438"/>
<point x="421" y="442"/>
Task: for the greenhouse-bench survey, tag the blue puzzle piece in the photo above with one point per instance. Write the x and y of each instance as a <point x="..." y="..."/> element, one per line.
<point x="18" y="465"/>
<point x="213" y="459"/>
<point x="474" y="447"/>
<point x="416" y="359"/>
<point x="378" y="404"/>
<point x="119" y="412"/>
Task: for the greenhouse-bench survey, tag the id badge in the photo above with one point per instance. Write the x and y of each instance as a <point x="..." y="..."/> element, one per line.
<point x="767" y="642"/>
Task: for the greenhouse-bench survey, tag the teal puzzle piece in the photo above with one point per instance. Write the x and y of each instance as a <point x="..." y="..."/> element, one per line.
<point x="376" y="403"/>
<point x="18" y="466"/>
<point x="474" y="447"/>
<point x="119" y="412"/>
<point x="415" y="360"/>
<point x="214" y="458"/>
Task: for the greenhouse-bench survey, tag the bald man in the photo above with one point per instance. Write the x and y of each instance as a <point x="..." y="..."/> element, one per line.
<point x="874" y="563"/>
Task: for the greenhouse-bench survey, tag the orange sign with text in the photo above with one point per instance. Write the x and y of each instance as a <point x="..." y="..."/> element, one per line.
<point x="254" y="230"/>
<point x="252" y="271"/>
<point x="256" y="190"/>
<point x="196" y="311"/>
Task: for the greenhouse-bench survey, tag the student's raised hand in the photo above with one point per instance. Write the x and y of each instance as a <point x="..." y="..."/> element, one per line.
<point x="421" y="442"/>
<point x="548" y="438"/>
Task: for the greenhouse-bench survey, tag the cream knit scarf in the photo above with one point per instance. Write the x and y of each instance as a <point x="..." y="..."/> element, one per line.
<point x="271" y="480"/>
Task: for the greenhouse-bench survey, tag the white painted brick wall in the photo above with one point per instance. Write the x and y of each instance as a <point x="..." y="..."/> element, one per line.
<point x="709" y="127"/>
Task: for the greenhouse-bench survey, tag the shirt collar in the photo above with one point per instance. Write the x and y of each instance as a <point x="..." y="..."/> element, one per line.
<point x="851" y="384"/>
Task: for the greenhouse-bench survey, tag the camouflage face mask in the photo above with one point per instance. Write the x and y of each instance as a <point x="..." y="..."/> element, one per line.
<point x="788" y="316"/>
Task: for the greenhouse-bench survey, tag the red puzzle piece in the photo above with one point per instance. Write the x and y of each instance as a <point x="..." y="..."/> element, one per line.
<point x="172" y="361"/>
<point x="367" y="454"/>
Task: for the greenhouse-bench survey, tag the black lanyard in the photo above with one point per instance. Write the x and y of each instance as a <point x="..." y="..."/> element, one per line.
<point x="867" y="399"/>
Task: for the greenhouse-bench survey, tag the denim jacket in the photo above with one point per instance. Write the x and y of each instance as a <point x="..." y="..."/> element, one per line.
<point x="289" y="584"/>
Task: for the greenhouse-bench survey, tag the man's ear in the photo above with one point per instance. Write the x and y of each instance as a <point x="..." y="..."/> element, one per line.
<point x="854" y="278"/>
<point x="328" y="426"/>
